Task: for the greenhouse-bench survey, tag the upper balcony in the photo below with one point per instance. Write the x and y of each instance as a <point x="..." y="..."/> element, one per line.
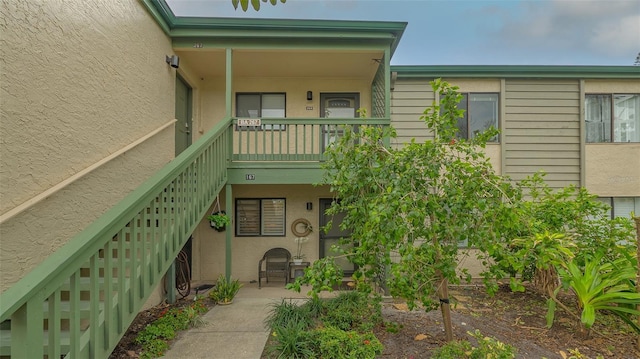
<point x="285" y="151"/>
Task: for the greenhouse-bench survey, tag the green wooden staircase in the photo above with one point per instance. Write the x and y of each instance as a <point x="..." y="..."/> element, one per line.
<point x="80" y="301"/>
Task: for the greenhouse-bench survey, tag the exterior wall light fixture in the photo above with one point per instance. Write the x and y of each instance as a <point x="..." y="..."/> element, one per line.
<point x="309" y="206"/>
<point x="309" y="95"/>
<point x="173" y="60"/>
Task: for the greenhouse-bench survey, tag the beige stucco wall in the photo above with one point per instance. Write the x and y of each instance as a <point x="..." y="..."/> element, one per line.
<point x="212" y="94"/>
<point x="209" y="262"/>
<point x="79" y="81"/>
<point x="613" y="169"/>
<point x="476" y="85"/>
<point x="611" y="86"/>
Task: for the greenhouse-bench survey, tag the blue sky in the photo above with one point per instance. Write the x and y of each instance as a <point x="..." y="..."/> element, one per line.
<point x="475" y="32"/>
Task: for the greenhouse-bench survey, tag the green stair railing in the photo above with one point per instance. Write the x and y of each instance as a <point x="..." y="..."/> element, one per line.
<point x="80" y="301"/>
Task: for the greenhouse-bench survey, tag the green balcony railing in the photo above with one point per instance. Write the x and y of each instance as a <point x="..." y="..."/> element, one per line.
<point x="80" y="301"/>
<point x="290" y="139"/>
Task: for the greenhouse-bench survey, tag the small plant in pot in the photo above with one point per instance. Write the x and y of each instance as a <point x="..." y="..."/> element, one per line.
<point x="299" y="256"/>
<point x="225" y="290"/>
<point x="219" y="220"/>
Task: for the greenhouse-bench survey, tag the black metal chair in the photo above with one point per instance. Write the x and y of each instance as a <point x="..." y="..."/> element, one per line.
<point x="274" y="263"/>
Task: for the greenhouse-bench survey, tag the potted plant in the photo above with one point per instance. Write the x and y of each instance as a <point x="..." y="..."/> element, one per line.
<point x="219" y="220"/>
<point x="225" y="290"/>
<point x="299" y="256"/>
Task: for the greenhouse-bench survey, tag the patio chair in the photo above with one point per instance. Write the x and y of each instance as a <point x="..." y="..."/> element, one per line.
<point x="274" y="263"/>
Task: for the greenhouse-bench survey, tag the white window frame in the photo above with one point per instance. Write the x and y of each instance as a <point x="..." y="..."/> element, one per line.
<point x="621" y="210"/>
<point x="260" y="217"/>
<point x="622" y="124"/>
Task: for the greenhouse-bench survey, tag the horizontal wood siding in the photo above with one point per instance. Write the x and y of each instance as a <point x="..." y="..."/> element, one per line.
<point x="542" y="130"/>
<point x="409" y="98"/>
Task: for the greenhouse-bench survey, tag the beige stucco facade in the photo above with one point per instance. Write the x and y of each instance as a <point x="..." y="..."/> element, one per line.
<point x="79" y="82"/>
<point x="210" y="245"/>
<point x="97" y="82"/>
<point x="613" y="169"/>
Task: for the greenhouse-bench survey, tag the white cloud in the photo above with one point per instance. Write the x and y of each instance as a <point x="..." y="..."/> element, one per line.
<point x="618" y="37"/>
<point x="610" y="28"/>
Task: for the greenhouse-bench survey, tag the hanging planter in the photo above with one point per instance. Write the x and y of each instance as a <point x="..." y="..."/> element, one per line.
<point x="218" y="219"/>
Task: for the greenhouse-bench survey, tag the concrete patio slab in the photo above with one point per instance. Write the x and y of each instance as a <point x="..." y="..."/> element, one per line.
<point x="236" y="330"/>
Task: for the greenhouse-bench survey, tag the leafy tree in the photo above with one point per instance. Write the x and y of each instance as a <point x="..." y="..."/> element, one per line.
<point x="411" y="208"/>
<point x="254" y="3"/>
<point x="554" y="227"/>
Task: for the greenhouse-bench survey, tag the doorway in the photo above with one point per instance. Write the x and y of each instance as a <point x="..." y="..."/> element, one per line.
<point x="337" y="105"/>
<point x="183" y="136"/>
<point x="332" y="237"/>
<point x="183" y="115"/>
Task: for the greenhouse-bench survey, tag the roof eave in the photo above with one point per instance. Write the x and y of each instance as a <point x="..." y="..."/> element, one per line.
<point x="515" y="71"/>
<point x="176" y="26"/>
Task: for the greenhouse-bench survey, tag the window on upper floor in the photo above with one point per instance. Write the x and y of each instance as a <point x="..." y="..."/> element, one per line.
<point x="480" y="112"/>
<point x="612" y="118"/>
<point x="259" y="105"/>
<point x="622" y="206"/>
<point x="260" y="217"/>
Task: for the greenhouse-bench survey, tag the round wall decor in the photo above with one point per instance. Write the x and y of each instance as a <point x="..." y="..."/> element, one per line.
<point x="301" y="227"/>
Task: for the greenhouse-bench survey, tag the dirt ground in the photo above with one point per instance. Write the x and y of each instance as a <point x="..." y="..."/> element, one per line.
<point x="514" y="318"/>
<point x="127" y="347"/>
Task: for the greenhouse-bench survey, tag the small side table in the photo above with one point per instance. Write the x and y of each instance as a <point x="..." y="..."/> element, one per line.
<point x="298" y="269"/>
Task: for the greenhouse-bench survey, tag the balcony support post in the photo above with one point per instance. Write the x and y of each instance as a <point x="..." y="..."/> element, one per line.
<point x="229" y="232"/>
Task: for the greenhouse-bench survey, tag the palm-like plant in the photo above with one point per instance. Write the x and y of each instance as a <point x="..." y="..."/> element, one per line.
<point x="607" y="286"/>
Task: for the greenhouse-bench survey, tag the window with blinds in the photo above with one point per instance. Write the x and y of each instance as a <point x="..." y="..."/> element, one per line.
<point x="260" y="217"/>
<point x="258" y="105"/>
<point x="612" y="118"/>
<point x="622" y="206"/>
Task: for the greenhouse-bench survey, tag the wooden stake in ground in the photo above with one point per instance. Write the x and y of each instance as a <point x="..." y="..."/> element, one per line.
<point x="445" y="307"/>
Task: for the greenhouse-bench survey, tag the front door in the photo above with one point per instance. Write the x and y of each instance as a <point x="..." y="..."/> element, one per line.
<point x="337" y="105"/>
<point x="183" y="115"/>
<point x="332" y="237"/>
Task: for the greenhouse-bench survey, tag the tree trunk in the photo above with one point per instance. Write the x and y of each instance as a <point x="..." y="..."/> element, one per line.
<point x="445" y="307"/>
<point x="637" y="219"/>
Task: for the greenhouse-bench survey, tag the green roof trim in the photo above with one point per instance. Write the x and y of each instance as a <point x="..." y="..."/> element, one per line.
<point x="516" y="71"/>
<point x="178" y="26"/>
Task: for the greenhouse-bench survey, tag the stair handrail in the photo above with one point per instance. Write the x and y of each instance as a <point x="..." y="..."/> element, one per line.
<point x="85" y="243"/>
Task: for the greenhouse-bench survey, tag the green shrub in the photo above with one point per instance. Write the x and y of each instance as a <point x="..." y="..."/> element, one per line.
<point x="225" y="290"/>
<point x="332" y="342"/>
<point x="608" y="286"/>
<point x="315" y="306"/>
<point x="154" y="336"/>
<point x="286" y="312"/>
<point x="487" y="348"/>
<point x="453" y="350"/>
<point x="291" y="341"/>
<point x="353" y="310"/>
<point x="347" y="319"/>
<point x="392" y="327"/>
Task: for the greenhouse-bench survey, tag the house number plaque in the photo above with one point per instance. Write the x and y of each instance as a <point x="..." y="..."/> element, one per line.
<point x="249" y="122"/>
<point x="250" y="177"/>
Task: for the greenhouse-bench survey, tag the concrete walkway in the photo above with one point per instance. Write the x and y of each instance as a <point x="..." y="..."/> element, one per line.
<point x="233" y="331"/>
